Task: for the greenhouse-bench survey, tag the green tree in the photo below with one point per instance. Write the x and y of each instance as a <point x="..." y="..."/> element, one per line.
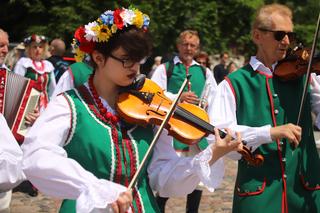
<point x="223" y="25"/>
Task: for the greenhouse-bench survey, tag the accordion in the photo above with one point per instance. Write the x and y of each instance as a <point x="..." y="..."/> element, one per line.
<point x="18" y="97"/>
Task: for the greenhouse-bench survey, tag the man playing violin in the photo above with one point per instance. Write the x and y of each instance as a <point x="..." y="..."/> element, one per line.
<point x="263" y="107"/>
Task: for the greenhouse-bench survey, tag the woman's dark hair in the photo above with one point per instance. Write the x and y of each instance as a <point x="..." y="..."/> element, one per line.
<point x="203" y="55"/>
<point x="136" y="43"/>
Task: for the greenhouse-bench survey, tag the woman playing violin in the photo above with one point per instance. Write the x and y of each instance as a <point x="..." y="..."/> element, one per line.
<point x="82" y="151"/>
<point x="263" y="107"/>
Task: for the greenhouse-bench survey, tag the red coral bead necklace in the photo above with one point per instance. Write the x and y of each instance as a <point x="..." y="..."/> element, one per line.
<point x="102" y="110"/>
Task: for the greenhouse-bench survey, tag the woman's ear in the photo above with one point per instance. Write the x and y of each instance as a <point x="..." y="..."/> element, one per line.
<point x="98" y="58"/>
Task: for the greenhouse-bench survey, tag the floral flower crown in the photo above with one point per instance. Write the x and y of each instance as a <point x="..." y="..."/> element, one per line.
<point x="34" y="38"/>
<point x="104" y="27"/>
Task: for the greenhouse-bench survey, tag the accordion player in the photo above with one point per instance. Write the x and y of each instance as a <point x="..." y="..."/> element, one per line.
<point x="18" y="97"/>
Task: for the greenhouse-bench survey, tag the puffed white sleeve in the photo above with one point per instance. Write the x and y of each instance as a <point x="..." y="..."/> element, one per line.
<point x="172" y="175"/>
<point x="211" y="82"/>
<point x="160" y="77"/>
<point x="47" y="166"/>
<point x="65" y="83"/>
<point x="222" y="114"/>
<point x="19" y="68"/>
<point x="10" y="158"/>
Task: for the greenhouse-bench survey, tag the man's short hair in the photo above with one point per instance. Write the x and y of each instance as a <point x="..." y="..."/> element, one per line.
<point x="189" y="33"/>
<point x="4" y="32"/>
<point x="263" y="18"/>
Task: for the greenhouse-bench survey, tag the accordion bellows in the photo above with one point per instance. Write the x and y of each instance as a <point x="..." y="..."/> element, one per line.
<point x="18" y="97"/>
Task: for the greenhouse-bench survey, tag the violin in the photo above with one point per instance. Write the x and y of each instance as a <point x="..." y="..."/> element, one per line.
<point x="295" y="64"/>
<point x="189" y="123"/>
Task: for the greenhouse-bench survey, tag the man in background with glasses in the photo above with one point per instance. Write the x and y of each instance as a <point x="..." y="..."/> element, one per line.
<point x="264" y="109"/>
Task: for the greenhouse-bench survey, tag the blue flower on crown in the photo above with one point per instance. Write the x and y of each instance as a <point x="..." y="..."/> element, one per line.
<point x="146" y="21"/>
<point x="107" y="17"/>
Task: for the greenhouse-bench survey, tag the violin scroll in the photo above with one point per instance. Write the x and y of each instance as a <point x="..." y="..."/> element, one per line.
<point x="250" y="158"/>
<point x="295" y="64"/>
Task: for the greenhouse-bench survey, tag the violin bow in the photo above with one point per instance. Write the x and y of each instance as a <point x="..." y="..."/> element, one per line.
<point x="156" y="137"/>
<point x="309" y="70"/>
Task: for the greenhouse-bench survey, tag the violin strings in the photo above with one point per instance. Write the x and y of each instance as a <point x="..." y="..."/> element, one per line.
<point x="194" y="119"/>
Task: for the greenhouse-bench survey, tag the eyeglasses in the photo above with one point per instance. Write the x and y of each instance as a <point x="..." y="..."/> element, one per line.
<point x="279" y="34"/>
<point x="193" y="46"/>
<point x="127" y="63"/>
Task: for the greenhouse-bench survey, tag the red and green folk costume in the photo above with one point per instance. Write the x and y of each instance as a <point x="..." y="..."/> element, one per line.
<point x="289" y="179"/>
<point x="107" y="151"/>
<point x="196" y="85"/>
<point x="42" y="73"/>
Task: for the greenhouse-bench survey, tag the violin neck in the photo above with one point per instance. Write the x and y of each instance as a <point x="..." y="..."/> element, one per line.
<point x="205" y="126"/>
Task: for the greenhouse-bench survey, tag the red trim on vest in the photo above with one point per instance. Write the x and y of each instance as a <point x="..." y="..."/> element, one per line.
<point x="284" y="203"/>
<point x="71" y="74"/>
<point x="42" y="86"/>
<point x="114" y="133"/>
<point x="244" y="194"/>
<point x="306" y="186"/>
<point x="263" y="73"/>
<point x="232" y="89"/>
<point x="3" y="79"/>
<point x="137" y="200"/>
<point x="44" y="99"/>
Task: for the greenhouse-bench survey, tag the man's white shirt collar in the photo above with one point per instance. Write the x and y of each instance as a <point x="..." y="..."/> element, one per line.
<point x="177" y="60"/>
<point x="4" y="66"/>
<point x="258" y="65"/>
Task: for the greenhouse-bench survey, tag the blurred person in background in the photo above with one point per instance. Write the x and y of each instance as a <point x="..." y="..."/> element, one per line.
<point x="157" y="62"/>
<point x="220" y="70"/>
<point x="35" y="67"/>
<point x="231" y="67"/>
<point x="57" y="50"/>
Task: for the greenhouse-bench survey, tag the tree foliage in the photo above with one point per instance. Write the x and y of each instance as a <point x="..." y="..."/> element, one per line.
<point x="223" y="25"/>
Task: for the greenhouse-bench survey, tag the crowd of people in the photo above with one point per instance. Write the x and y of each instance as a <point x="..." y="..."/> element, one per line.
<point x="80" y="149"/>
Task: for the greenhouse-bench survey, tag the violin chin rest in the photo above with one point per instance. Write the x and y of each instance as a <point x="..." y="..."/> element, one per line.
<point x="137" y="83"/>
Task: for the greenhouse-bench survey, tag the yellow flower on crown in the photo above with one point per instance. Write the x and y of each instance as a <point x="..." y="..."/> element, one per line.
<point x="138" y="19"/>
<point x="78" y="55"/>
<point x="104" y="33"/>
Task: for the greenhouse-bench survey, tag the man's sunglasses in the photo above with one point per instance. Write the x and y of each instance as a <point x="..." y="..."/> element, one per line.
<point x="279" y="35"/>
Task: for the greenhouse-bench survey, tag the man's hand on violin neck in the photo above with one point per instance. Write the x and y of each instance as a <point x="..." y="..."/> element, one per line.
<point x="189" y="97"/>
<point x="289" y="131"/>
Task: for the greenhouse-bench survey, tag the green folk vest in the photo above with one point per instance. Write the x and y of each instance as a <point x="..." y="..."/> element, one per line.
<point x="43" y="80"/>
<point x="288" y="178"/>
<point x="81" y="72"/>
<point x="108" y="152"/>
<point x="197" y="81"/>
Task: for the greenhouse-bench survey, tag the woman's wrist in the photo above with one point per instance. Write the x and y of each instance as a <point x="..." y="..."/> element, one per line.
<point x="216" y="154"/>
